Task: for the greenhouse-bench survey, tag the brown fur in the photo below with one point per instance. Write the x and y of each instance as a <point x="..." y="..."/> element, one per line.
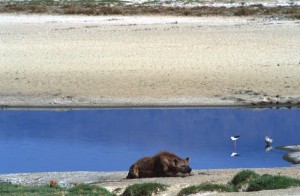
<point x="163" y="164"/>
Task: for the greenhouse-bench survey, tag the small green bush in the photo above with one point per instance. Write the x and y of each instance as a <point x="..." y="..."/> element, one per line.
<point x="270" y="182"/>
<point x="243" y="177"/>
<point x="206" y="187"/>
<point x="144" y="189"/>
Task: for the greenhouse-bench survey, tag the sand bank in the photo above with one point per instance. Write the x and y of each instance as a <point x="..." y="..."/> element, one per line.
<point x="51" y="60"/>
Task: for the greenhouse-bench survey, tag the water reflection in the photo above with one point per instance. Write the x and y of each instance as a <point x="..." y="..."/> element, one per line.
<point x="293" y="155"/>
<point x="268" y="148"/>
<point x="110" y="140"/>
<point x="234" y="140"/>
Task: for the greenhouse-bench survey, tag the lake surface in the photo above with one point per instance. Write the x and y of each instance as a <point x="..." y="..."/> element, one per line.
<point x="112" y="139"/>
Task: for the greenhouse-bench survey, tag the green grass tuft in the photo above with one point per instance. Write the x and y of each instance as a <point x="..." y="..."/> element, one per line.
<point x="243" y="177"/>
<point x="85" y="189"/>
<point x="14" y="189"/>
<point x="248" y="180"/>
<point x="206" y="187"/>
<point x="270" y="182"/>
<point x="144" y="189"/>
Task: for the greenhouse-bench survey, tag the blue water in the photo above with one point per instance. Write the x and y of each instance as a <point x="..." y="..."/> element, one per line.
<point x="112" y="139"/>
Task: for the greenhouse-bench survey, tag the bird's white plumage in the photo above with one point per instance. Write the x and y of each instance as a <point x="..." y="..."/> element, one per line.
<point x="234" y="138"/>
<point x="268" y="140"/>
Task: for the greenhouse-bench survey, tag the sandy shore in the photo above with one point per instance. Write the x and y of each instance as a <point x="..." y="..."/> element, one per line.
<point x="51" y="60"/>
<point x="113" y="180"/>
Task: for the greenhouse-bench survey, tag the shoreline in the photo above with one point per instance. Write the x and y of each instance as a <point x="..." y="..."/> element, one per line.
<point x="83" y="107"/>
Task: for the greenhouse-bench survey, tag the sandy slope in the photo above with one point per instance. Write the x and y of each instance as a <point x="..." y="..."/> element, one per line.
<point x="121" y="61"/>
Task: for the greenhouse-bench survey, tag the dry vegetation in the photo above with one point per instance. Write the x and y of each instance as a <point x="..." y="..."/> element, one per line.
<point x="93" y="9"/>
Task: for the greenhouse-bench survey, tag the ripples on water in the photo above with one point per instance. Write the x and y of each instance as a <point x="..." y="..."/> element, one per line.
<point x="111" y="140"/>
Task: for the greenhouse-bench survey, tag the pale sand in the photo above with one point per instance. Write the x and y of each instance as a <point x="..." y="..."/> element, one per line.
<point x="147" y="61"/>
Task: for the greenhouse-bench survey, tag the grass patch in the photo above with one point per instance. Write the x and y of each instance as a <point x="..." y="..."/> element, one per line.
<point x="83" y="189"/>
<point x="119" y="7"/>
<point x="242" y="178"/>
<point x="270" y="182"/>
<point x="245" y="180"/>
<point x="15" y="189"/>
<point x="144" y="189"/>
<point x="206" y="187"/>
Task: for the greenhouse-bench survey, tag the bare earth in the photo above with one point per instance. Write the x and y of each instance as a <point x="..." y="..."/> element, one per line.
<point x="84" y="61"/>
<point x="51" y="60"/>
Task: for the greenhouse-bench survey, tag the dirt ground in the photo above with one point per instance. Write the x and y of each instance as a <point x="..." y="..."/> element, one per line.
<point x="98" y="61"/>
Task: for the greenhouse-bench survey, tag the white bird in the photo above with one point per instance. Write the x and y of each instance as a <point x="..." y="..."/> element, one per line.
<point x="268" y="140"/>
<point x="234" y="138"/>
<point x="234" y="154"/>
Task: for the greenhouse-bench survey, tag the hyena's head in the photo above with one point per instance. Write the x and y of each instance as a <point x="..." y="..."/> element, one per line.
<point x="182" y="165"/>
<point x="133" y="172"/>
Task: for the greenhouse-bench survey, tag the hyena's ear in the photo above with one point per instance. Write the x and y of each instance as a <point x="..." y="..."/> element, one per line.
<point x="187" y="159"/>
